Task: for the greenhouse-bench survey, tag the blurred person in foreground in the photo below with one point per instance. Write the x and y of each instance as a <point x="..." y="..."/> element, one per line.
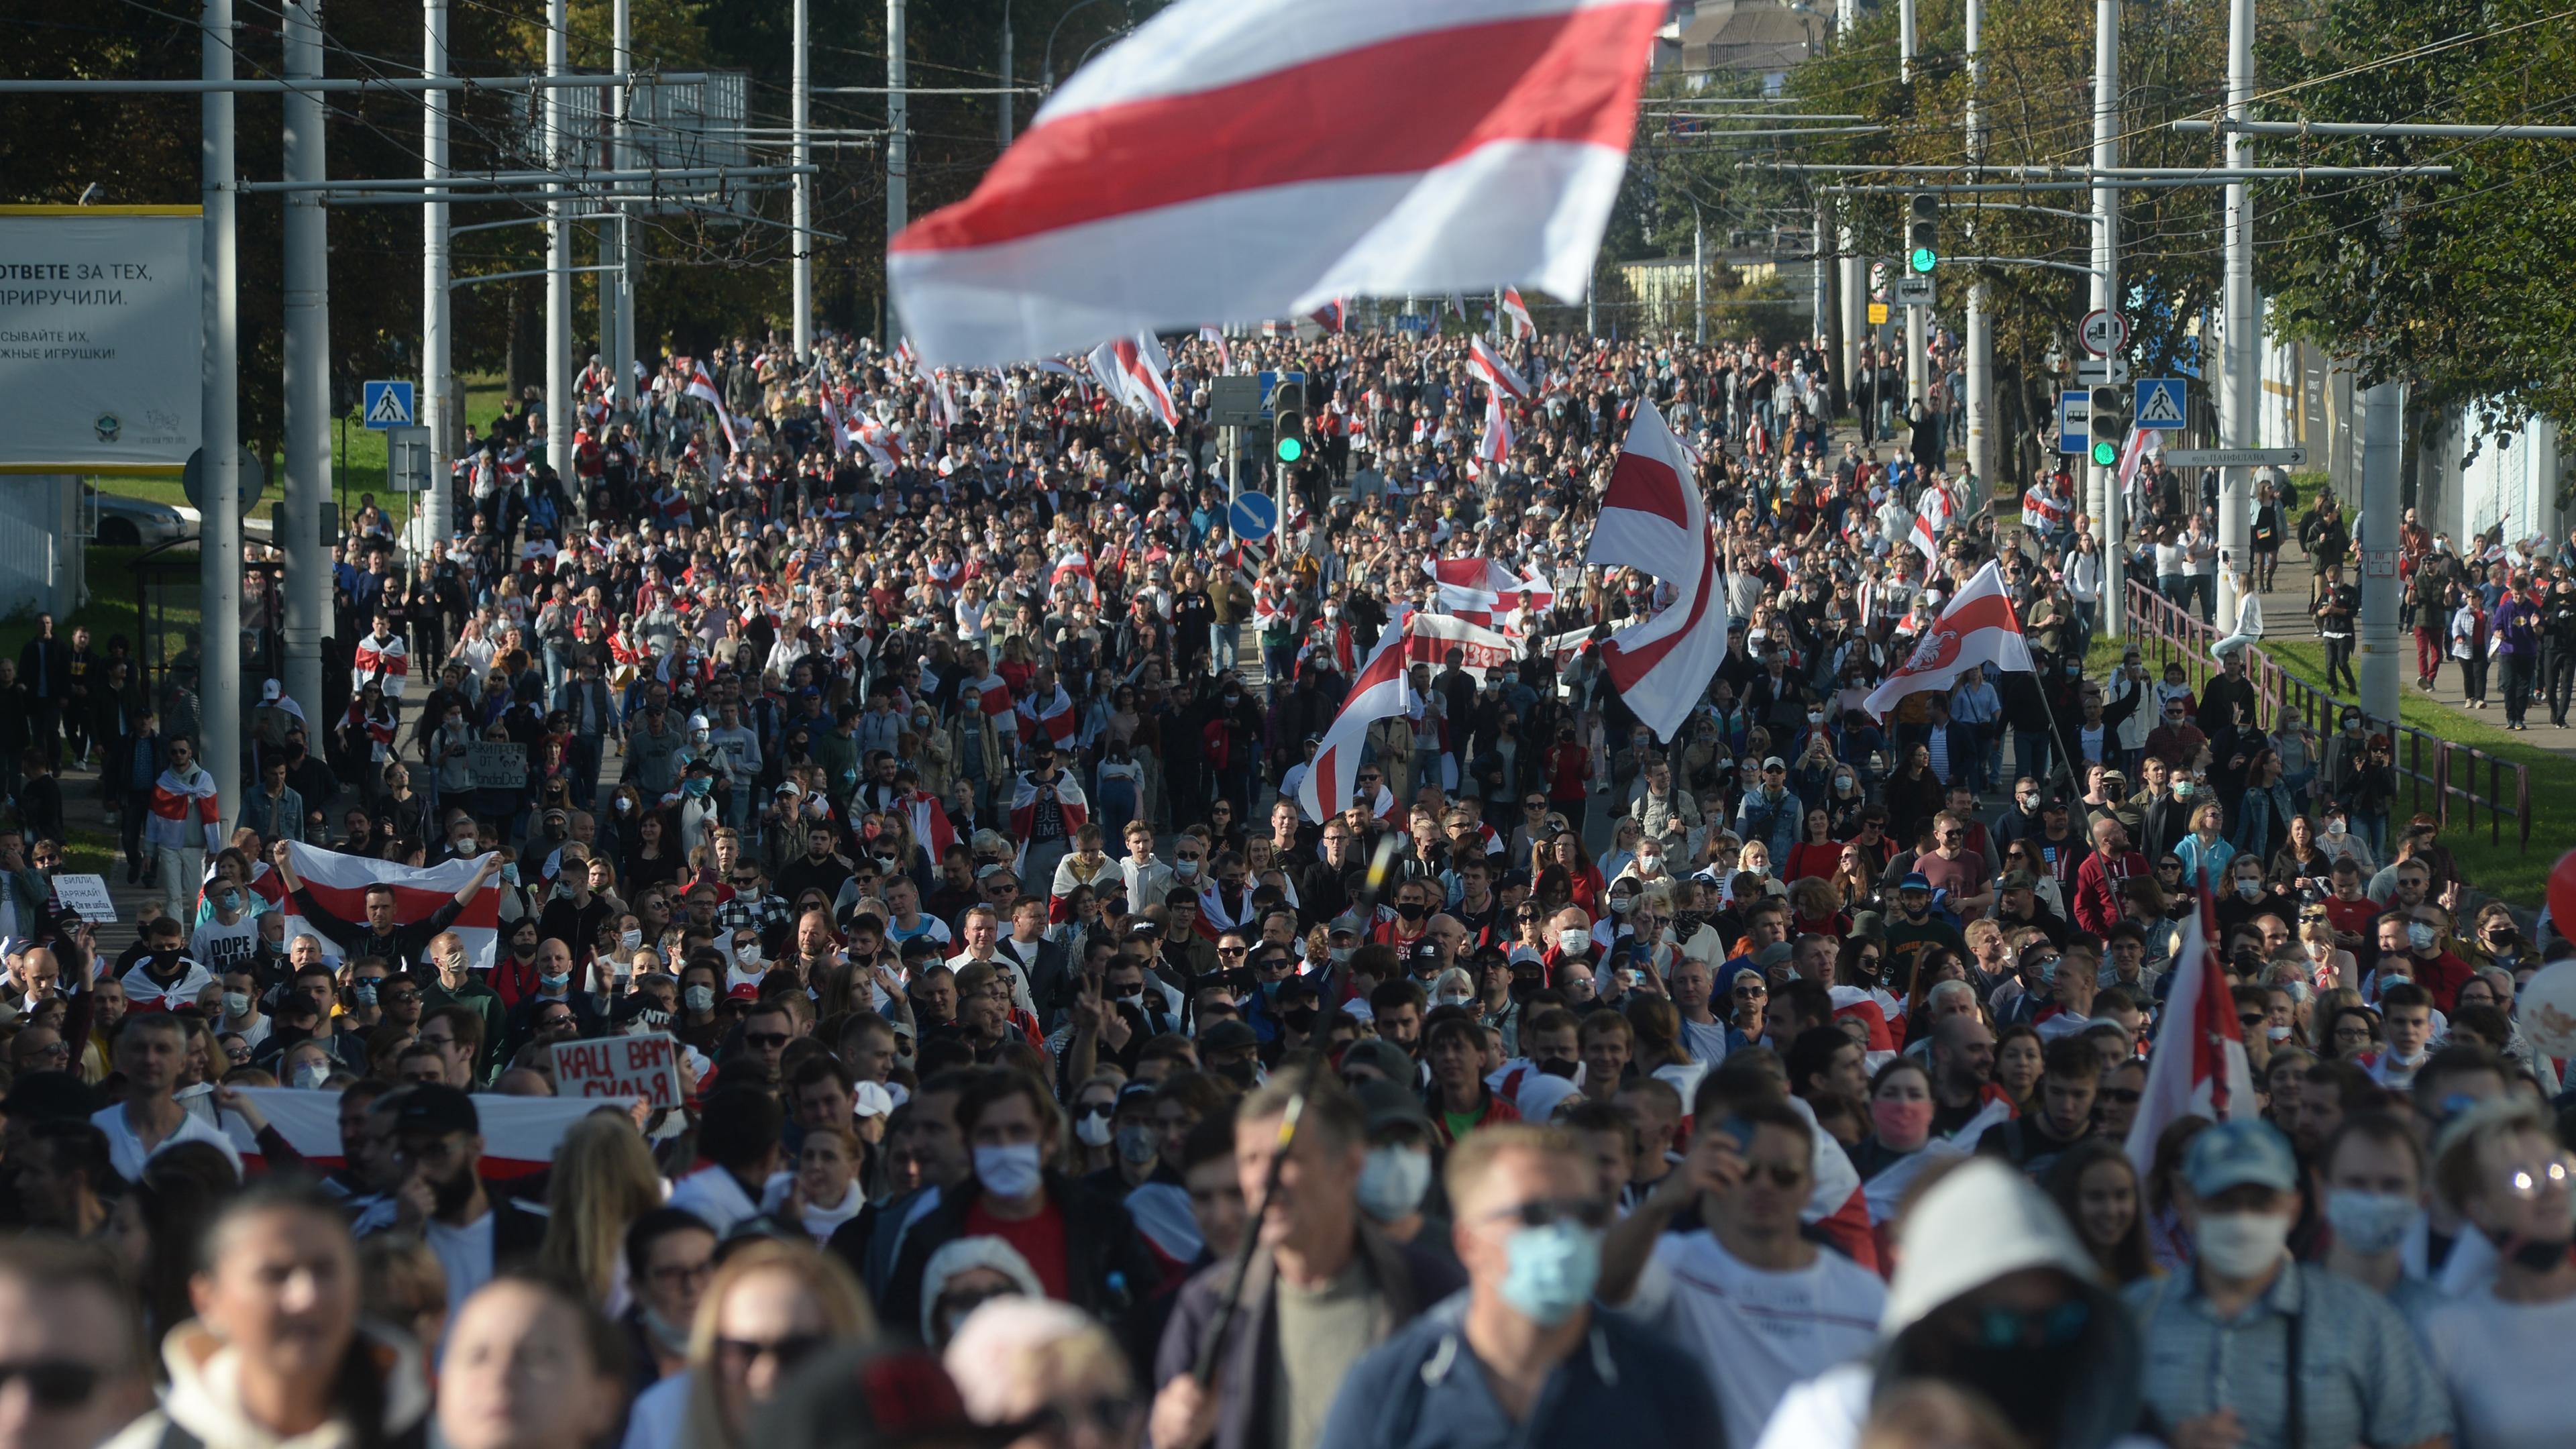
<point x="1521" y="1358"/>
<point x="1994" y="1295"/>
<point x="276" y="1354"/>
<point x="1049" y="1369"/>
<point x="71" y="1344"/>
<point x="529" y="1364"/>
<point x="771" y="1306"/>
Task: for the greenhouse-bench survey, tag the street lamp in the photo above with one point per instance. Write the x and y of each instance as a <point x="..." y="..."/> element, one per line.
<point x="1046" y="81"/>
<point x="1006" y="98"/>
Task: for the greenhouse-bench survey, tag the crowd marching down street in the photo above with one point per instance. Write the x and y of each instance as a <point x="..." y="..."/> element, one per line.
<point x="1639" y="914"/>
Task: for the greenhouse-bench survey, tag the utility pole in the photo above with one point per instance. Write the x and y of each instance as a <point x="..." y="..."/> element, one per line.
<point x="2106" y="501"/>
<point x="307" y="393"/>
<point x="800" y="106"/>
<point x="2380" y="441"/>
<point x="1980" y="400"/>
<point x="621" y="355"/>
<point x="1009" y="100"/>
<point x="2241" y="353"/>
<point x="1917" y="362"/>
<point x="1905" y="41"/>
<point x="1821" y="265"/>
<point x="438" y="407"/>
<point x="219" y="527"/>
<point x="1699" y="278"/>
<point x="898" y="139"/>
<point x="558" y="260"/>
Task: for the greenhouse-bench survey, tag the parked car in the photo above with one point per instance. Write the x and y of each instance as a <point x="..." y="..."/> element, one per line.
<point x="137" y="522"/>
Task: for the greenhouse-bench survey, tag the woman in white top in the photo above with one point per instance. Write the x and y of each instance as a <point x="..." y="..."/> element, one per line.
<point x="2083" y="569"/>
<point x="2249" y="613"/>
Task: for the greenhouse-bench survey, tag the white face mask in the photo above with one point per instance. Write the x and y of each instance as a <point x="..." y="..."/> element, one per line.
<point x="1011" y="1172"/>
<point x="2242" y="1245"/>
<point x="1574" y="939"/>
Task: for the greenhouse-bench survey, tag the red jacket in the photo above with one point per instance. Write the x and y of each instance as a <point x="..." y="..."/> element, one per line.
<point x="2097" y="888"/>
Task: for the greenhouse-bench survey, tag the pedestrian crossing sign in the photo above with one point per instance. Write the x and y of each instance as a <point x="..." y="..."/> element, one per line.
<point x="2159" y="402"/>
<point x="386" y="404"/>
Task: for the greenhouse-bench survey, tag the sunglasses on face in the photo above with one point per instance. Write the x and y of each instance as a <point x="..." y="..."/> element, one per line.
<point x="765" y="1040"/>
<point x="787" y="1351"/>
<point x="55" y="1384"/>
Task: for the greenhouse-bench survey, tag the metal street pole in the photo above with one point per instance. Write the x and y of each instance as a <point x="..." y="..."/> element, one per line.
<point x="438" y="404"/>
<point x="1917" y="362"/>
<point x="1905" y="41"/>
<point x="898" y="136"/>
<point x="558" y="262"/>
<point x="1008" y="100"/>
<point x="1981" y="325"/>
<point x="621" y="354"/>
<point x="2380" y="441"/>
<point x="800" y="105"/>
<point x="2106" y="502"/>
<point x="2241" y="353"/>
<point x="219" y="527"/>
<point x="307" y="392"/>
<point x="1699" y="279"/>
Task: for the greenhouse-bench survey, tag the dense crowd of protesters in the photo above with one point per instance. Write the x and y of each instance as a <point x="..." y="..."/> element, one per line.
<point x="921" y="754"/>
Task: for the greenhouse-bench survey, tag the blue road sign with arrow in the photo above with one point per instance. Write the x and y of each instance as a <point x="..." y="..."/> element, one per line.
<point x="1253" y="515"/>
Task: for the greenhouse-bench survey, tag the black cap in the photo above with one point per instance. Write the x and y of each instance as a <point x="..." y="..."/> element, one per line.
<point x="1389" y="1105"/>
<point x="434" y="1107"/>
<point x="878" y="1395"/>
<point x="1229" y="1035"/>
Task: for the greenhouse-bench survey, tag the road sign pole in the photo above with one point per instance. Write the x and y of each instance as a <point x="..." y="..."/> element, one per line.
<point x="308" y="366"/>
<point x="2106" y="289"/>
<point x="2240" y="355"/>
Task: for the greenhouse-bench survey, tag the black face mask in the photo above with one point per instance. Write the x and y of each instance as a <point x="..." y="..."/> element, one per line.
<point x="1299" y="1019"/>
<point x="2541" y="1255"/>
<point x="1557" y="1069"/>
<point x="1411" y="910"/>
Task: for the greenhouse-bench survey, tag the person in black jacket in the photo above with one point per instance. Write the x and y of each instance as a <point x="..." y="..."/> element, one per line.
<point x="438" y="1143"/>
<point x="1085" y="1249"/>
<point x="1314" y="1241"/>
<point x="399" y="944"/>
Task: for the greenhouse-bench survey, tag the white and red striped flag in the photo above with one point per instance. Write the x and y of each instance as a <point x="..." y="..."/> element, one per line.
<point x="1214" y="336"/>
<point x="703" y="388"/>
<point x="2198" y="1066"/>
<point x="1488" y="364"/>
<point x="1428" y="638"/>
<point x="1977" y="627"/>
<point x="1071" y="804"/>
<point x="1261" y="158"/>
<point x="831" y="409"/>
<point x="1053" y="714"/>
<point x="338" y="883"/>
<point x="1516" y="312"/>
<point x="1931" y="519"/>
<point x="1333" y="316"/>
<point x="519" y="1134"/>
<point x="1131" y="370"/>
<point x="2042" y="508"/>
<point x="877" y="441"/>
<point x="1379" y="691"/>
<point x="2143" y="443"/>
<point x="1653" y="518"/>
<point x="931" y="827"/>
<point x="1494" y="444"/>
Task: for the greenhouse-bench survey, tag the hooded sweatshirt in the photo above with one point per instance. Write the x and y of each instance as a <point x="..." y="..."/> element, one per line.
<point x="1978" y="1224"/>
<point x="203" y="1401"/>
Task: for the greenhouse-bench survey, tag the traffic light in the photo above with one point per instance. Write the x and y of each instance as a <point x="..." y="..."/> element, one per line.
<point x="1923" y="233"/>
<point x="2110" y="423"/>
<point x="1288" y="422"/>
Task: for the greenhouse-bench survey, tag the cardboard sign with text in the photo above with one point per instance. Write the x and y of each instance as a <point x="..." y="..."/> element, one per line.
<point x="620" y="1069"/>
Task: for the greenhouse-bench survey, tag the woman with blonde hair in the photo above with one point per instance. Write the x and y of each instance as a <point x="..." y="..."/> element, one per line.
<point x="771" y="1305"/>
<point x="603" y="1180"/>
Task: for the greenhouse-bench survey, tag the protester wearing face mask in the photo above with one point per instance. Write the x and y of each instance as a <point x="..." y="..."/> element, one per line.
<point x="1523" y="1358"/>
<point x="2499" y="1349"/>
<point x="1324" y="1287"/>
<point x="2371" y="1177"/>
<point x="2359" y="1375"/>
<point x="1084" y="1247"/>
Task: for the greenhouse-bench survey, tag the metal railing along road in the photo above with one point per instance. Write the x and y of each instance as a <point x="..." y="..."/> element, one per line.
<point x="2427" y="763"/>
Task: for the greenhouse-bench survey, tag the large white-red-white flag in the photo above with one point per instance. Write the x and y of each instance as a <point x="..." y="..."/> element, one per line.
<point x="1931" y="516"/>
<point x="1498" y="375"/>
<point x="2198" y="1067"/>
<point x="1379" y="691"/>
<point x="1494" y="444"/>
<point x="1428" y="638"/>
<point x="1132" y="370"/>
<point x="839" y="429"/>
<point x="1476" y="589"/>
<point x="1653" y="518"/>
<point x="1516" y="313"/>
<point x="338" y="883"/>
<point x="1243" y="159"/>
<point x="520" y="1134"/>
<point x="703" y="388"/>
<point x="1977" y="627"/>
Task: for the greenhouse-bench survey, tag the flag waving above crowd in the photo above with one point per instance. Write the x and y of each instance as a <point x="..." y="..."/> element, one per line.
<point x="1653" y="517"/>
<point x="1977" y="627"/>
<point x="1244" y="159"/>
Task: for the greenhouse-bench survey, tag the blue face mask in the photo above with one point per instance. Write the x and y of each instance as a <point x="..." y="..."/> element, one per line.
<point x="230" y="900"/>
<point x="1552" y="1272"/>
<point x="555" y="983"/>
<point x="699" y="785"/>
<point x="510" y="872"/>
<point x="365" y="991"/>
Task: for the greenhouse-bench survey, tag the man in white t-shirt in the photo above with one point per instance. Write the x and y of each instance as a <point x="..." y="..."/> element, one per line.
<point x="1761" y="1306"/>
<point x="438" y="1144"/>
<point x="151" y="1051"/>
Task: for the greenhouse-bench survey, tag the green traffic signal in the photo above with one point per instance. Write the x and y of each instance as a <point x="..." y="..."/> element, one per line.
<point x="2106" y="455"/>
<point x="1925" y="259"/>
<point x="1291" y="449"/>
